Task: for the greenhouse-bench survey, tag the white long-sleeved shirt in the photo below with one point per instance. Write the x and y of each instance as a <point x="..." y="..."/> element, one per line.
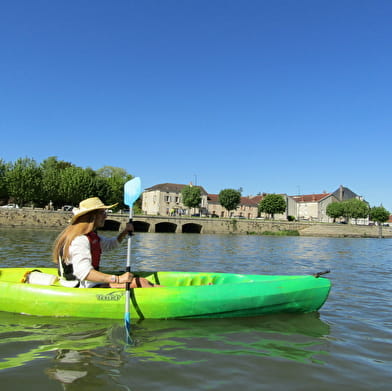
<point x="80" y="257"/>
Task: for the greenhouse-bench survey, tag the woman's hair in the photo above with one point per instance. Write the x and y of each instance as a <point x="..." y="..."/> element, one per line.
<point x="81" y="226"/>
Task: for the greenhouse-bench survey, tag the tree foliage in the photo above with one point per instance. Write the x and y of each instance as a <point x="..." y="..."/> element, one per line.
<point x="51" y="174"/>
<point x="114" y="178"/>
<point x="379" y="214"/>
<point x="335" y="210"/>
<point x="4" y="167"/>
<point x="229" y="199"/>
<point x="76" y="184"/>
<point x="26" y="182"/>
<point x="272" y="204"/>
<point x="355" y="209"/>
<point x="191" y="196"/>
<point x="349" y="209"/>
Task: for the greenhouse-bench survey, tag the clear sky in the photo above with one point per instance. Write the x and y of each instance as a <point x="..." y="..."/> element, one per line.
<point x="278" y="96"/>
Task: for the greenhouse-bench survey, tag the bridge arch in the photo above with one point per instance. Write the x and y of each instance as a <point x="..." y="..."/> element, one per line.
<point x="191" y="228"/>
<point x="166" y="227"/>
<point x="141" y="226"/>
<point x="111" y="225"/>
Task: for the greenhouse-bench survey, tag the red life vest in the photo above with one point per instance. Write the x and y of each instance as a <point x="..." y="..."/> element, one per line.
<point x="95" y="248"/>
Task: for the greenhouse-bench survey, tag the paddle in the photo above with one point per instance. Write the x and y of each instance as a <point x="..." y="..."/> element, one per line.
<point x="132" y="191"/>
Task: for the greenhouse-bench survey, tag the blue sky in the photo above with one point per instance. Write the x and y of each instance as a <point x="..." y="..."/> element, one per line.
<point x="277" y="96"/>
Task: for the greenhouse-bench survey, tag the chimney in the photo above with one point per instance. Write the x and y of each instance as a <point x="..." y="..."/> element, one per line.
<point x="341" y="193"/>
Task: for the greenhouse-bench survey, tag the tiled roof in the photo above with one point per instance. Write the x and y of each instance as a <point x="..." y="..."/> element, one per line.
<point x="251" y="200"/>
<point x="171" y="187"/>
<point x="213" y="198"/>
<point x="310" y="197"/>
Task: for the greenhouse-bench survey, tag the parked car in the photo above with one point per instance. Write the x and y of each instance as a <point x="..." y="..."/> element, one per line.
<point x="11" y="206"/>
<point x="67" y="208"/>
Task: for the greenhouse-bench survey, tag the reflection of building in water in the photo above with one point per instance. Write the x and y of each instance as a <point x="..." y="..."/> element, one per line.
<point x="85" y="366"/>
<point x="65" y="375"/>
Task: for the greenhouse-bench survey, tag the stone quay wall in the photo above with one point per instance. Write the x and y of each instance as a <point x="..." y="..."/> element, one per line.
<point x="44" y="219"/>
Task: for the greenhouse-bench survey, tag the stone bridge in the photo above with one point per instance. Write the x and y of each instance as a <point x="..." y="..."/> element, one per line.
<point x="198" y="225"/>
<point x="162" y="224"/>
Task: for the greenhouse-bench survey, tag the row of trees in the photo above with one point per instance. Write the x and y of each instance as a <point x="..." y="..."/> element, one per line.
<point x="356" y="209"/>
<point x="272" y="204"/>
<point x="56" y="183"/>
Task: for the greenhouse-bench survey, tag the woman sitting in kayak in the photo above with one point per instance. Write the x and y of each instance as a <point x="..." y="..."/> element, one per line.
<point x="77" y="250"/>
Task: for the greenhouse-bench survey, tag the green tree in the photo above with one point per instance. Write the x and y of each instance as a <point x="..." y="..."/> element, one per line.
<point x="272" y="204"/>
<point x="191" y="196"/>
<point x="4" y="168"/>
<point x="76" y="184"/>
<point x="380" y="215"/>
<point x="103" y="190"/>
<point x="24" y="180"/>
<point x="335" y="210"/>
<point x="355" y="209"/>
<point x="52" y="163"/>
<point x="51" y="173"/>
<point x="115" y="178"/>
<point x="229" y="199"/>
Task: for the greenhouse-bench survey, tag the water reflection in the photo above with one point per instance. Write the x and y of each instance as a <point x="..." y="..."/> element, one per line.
<point x="76" y="344"/>
<point x="26" y="338"/>
<point x="293" y="337"/>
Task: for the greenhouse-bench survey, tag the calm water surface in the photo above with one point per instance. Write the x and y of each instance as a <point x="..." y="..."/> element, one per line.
<point x="347" y="345"/>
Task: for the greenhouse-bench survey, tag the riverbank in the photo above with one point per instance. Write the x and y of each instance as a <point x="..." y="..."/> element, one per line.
<point x="43" y="219"/>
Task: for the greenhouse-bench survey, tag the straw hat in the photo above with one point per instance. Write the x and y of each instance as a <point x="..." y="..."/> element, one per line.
<point x="89" y="205"/>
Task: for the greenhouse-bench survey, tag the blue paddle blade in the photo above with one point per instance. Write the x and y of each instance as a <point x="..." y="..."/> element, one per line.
<point x="132" y="191"/>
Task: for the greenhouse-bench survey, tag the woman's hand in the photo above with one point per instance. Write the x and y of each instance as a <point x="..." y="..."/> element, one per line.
<point x="126" y="277"/>
<point x="128" y="230"/>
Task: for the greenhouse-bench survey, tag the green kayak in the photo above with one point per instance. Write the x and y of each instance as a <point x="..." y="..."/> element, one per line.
<point x="184" y="295"/>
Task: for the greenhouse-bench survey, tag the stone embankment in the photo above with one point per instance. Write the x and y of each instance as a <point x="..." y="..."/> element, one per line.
<point x="43" y="219"/>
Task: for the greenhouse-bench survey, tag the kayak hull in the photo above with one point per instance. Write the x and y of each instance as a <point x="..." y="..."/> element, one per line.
<point x="184" y="295"/>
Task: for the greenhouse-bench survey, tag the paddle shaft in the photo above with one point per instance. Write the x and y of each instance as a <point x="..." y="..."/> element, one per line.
<point x="132" y="191"/>
<point x="128" y="284"/>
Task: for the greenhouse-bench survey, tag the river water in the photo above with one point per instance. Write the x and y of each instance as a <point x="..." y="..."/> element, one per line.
<point x="347" y="345"/>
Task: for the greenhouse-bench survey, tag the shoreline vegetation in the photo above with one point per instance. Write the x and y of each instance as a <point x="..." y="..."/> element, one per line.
<point x="43" y="219"/>
<point x="285" y="232"/>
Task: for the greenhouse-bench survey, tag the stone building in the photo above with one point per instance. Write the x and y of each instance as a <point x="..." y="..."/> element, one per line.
<point x="165" y="199"/>
<point x="313" y="207"/>
<point x="248" y="207"/>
